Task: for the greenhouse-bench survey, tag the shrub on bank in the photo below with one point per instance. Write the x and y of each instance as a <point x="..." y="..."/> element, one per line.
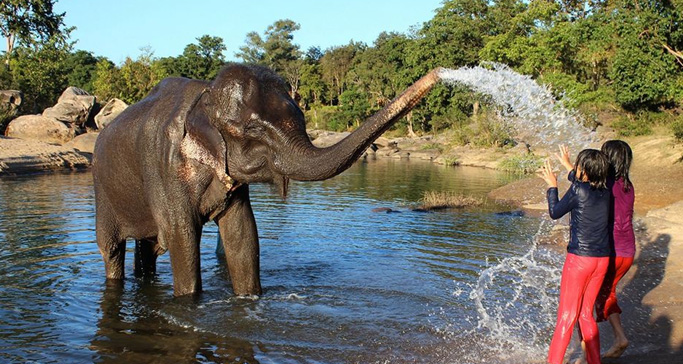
<point x="527" y="163"/>
<point x="677" y="128"/>
<point x="433" y="200"/>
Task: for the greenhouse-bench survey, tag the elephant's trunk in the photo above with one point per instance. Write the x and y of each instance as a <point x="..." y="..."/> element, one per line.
<point x="305" y="162"/>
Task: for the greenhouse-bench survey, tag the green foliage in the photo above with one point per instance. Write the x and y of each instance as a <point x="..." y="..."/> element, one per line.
<point x="353" y="108"/>
<point x="130" y="82"/>
<point x="320" y="117"/>
<point x="527" y="163"/>
<point x="29" y="22"/>
<point x="39" y="72"/>
<point x="80" y="67"/>
<point x="677" y="128"/>
<point x="6" y="115"/>
<point x="200" y="61"/>
<point x="637" y="124"/>
<point x="642" y="67"/>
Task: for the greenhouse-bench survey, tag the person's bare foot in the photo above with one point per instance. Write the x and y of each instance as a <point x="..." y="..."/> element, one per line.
<point x="580" y="361"/>
<point x="616" y="350"/>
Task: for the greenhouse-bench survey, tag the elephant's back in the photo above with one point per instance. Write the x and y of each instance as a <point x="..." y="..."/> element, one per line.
<point x="142" y="131"/>
<point x="129" y="132"/>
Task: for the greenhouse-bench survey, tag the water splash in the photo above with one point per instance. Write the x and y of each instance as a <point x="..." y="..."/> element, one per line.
<point x="529" y="109"/>
<point x="520" y="317"/>
<point x="515" y="303"/>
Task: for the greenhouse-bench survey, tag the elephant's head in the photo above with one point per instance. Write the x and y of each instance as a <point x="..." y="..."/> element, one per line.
<point x="265" y="131"/>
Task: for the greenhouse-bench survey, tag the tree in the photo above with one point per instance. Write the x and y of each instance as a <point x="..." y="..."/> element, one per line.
<point x="276" y="50"/>
<point x="132" y="81"/>
<point x="106" y="83"/>
<point x="40" y="72"/>
<point x="646" y="70"/>
<point x="80" y="67"/>
<point x="203" y="60"/>
<point x="28" y="21"/>
<point x="139" y="76"/>
<point x="200" y="61"/>
<point x="336" y="62"/>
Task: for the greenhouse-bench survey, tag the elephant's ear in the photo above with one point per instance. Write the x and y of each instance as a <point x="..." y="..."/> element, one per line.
<point x="203" y="142"/>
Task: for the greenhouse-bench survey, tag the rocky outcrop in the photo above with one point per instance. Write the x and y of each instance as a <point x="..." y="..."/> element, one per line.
<point x="59" y="124"/>
<point x="40" y="128"/>
<point x="73" y="107"/>
<point x="110" y="111"/>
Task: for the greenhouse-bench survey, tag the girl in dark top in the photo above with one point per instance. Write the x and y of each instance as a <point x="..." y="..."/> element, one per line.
<point x="588" y="201"/>
<point x="622" y="238"/>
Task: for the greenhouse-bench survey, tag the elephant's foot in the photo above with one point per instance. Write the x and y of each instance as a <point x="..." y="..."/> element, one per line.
<point x="247" y="288"/>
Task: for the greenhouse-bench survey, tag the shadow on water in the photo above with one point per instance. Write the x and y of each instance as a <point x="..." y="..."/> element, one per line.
<point x="649" y="333"/>
<point x="138" y="314"/>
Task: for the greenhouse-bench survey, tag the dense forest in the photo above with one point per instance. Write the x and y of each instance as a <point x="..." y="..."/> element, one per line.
<point x="618" y="61"/>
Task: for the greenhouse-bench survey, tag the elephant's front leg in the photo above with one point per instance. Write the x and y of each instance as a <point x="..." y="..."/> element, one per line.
<point x="182" y="237"/>
<point x="237" y="229"/>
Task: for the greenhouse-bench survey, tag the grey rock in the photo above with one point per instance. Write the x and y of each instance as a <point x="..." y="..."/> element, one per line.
<point x="73" y="106"/>
<point x="84" y="142"/>
<point x="109" y="112"/>
<point x="10" y="99"/>
<point x="41" y="128"/>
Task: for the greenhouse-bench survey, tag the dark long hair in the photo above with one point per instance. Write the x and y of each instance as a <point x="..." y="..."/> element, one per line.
<point x="620" y="156"/>
<point x="594" y="165"/>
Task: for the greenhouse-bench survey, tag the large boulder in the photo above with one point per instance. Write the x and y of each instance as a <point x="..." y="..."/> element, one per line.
<point x="73" y="106"/>
<point x="109" y="112"/>
<point x="84" y="142"/>
<point x="41" y="128"/>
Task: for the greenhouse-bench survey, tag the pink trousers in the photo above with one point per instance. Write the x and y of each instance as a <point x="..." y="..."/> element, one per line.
<point x="579" y="287"/>
<point x="606" y="304"/>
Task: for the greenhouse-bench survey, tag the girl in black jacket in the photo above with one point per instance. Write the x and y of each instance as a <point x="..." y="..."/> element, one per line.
<point x="587" y="200"/>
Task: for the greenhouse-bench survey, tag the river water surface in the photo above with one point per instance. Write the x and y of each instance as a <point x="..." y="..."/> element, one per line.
<point x="342" y="284"/>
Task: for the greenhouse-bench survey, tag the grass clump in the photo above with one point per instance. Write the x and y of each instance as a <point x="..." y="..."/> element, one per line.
<point x="527" y="163"/>
<point x="433" y="200"/>
<point x="431" y="146"/>
<point x="451" y="160"/>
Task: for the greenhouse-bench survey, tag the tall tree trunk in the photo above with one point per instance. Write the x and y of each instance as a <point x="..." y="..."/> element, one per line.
<point x="10" y="46"/>
<point x="411" y="132"/>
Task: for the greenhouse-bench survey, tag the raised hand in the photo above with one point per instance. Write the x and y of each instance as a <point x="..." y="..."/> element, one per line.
<point x="547" y="174"/>
<point x="563" y="157"/>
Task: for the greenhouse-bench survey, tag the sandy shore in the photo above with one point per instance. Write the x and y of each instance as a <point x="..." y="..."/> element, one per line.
<point x="19" y="156"/>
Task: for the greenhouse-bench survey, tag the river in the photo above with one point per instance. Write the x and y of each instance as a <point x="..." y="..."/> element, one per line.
<point x="342" y="284"/>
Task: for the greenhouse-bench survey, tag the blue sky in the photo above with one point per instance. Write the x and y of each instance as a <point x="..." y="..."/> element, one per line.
<point x="117" y="29"/>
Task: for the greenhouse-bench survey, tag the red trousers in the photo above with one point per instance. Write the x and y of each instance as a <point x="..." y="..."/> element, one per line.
<point x="606" y="304"/>
<point x="581" y="281"/>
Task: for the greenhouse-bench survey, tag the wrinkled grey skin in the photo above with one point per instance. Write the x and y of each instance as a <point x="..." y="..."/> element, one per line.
<point x="161" y="168"/>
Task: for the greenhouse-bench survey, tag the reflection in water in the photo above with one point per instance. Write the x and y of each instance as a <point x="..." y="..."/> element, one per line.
<point x="341" y="283"/>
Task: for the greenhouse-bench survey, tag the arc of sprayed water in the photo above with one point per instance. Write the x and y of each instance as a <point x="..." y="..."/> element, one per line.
<point x="528" y="108"/>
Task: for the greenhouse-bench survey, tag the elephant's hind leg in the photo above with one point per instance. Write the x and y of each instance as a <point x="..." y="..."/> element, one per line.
<point x="146" y="253"/>
<point x="111" y="245"/>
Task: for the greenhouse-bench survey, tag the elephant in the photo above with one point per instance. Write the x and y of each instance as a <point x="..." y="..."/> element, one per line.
<point x="186" y="154"/>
